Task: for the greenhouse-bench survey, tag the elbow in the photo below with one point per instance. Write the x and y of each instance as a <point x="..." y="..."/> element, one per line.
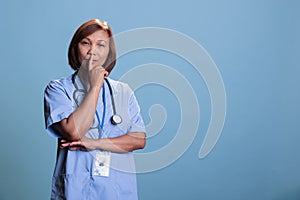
<point x="72" y="137"/>
<point x="140" y="144"/>
<point x="69" y="132"/>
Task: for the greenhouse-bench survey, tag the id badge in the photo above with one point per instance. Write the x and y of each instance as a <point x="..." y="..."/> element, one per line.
<point x="102" y="163"/>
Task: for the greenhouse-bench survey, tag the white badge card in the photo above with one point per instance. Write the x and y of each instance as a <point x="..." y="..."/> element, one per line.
<point x="102" y="163"/>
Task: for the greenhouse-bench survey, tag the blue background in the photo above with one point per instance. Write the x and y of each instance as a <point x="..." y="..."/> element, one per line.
<point x="255" y="45"/>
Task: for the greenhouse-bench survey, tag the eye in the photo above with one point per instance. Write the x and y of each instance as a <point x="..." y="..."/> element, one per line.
<point x="101" y="45"/>
<point x="85" y="42"/>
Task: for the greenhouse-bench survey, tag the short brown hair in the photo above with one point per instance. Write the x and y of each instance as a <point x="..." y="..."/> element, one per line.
<point x="85" y="30"/>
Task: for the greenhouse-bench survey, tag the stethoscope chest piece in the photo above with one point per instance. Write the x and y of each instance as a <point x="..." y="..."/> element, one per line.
<point x="116" y="119"/>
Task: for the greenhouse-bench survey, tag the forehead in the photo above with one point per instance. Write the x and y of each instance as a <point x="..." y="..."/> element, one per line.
<point x="98" y="35"/>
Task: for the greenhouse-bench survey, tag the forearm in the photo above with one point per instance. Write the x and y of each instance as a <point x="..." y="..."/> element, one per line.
<point x="79" y="122"/>
<point x="125" y="143"/>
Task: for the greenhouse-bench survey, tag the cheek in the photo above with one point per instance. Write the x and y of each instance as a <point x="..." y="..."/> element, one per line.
<point x="103" y="54"/>
<point x="81" y="54"/>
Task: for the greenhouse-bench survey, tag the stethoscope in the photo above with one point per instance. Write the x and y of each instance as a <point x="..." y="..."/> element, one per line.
<point x="115" y="118"/>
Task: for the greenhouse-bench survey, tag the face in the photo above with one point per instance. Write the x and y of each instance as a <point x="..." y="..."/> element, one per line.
<point x="97" y="44"/>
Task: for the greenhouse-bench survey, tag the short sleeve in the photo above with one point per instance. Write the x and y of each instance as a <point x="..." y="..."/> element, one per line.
<point x="137" y="123"/>
<point x="57" y="105"/>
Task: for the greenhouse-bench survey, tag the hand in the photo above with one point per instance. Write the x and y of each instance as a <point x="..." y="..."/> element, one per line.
<point x="85" y="144"/>
<point x="93" y="71"/>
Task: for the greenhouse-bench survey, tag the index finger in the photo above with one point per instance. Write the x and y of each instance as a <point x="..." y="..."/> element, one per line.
<point x="90" y="60"/>
<point x="86" y="61"/>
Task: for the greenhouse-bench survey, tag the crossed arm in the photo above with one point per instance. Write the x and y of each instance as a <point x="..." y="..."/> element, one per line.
<point x="125" y="143"/>
<point x="74" y="128"/>
<point x="77" y="141"/>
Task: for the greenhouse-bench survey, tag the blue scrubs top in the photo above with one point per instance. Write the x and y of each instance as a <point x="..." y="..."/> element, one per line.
<point x="73" y="175"/>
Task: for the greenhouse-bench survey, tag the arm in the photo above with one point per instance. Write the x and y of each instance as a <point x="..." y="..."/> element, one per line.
<point x="78" y="123"/>
<point x="132" y="140"/>
<point x="125" y="143"/>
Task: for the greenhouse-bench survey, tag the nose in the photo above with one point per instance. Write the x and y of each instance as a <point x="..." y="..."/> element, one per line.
<point x="92" y="50"/>
<point x="91" y="53"/>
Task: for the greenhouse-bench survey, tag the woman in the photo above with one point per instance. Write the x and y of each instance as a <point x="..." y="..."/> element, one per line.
<point x="96" y="120"/>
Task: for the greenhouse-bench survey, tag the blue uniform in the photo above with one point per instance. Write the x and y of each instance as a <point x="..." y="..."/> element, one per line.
<point x="73" y="175"/>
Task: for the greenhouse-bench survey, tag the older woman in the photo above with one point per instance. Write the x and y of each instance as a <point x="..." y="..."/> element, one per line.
<point x="96" y="121"/>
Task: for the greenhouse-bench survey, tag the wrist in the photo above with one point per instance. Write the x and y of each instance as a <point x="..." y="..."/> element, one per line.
<point x="95" y="144"/>
<point x="95" y="89"/>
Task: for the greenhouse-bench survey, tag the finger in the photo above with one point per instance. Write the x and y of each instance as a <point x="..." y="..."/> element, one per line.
<point x="90" y="61"/>
<point x="68" y="144"/>
<point x="74" y="148"/>
<point x="88" y="56"/>
<point x="78" y="147"/>
<point x="85" y="62"/>
<point x="62" y="141"/>
<point x="103" y="70"/>
<point x="106" y="74"/>
<point x="64" y="145"/>
<point x="99" y="67"/>
<point x="75" y="143"/>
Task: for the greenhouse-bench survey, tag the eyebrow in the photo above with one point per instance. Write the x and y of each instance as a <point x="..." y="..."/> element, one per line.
<point x="97" y="40"/>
